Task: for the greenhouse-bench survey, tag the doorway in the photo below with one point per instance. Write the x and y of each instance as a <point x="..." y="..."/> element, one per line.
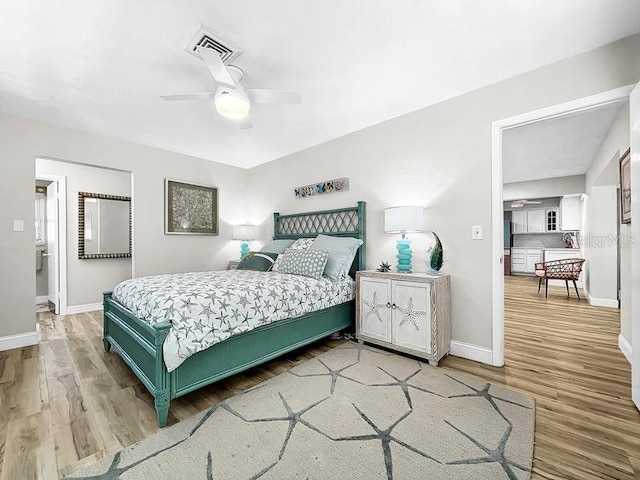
<point x="51" y="242"/>
<point x="497" y="130"/>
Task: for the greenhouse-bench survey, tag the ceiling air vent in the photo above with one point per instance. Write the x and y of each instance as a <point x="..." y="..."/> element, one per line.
<point x="204" y="37"/>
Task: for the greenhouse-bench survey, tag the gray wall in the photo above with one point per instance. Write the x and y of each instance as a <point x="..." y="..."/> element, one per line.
<point x="87" y="279"/>
<point x="603" y="217"/>
<point x="440" y="157"/>
<point x="22" y="140"/>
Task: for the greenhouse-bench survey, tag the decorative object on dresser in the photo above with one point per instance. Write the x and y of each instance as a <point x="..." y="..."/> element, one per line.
<point x="405" y="312"/>
<point x="435" y="254"/>
<point x="245" y="233"/>
<point x="190" y="208"/>
<point x="403" y="220"/>
<point x="352" y="412"/>
<point x="384" y="267"/>
<point x="321" y="188"/>
<point x="625" y="187"/>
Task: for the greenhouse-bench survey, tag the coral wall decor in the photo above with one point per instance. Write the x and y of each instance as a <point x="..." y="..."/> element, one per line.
<point x="329" y="186"/>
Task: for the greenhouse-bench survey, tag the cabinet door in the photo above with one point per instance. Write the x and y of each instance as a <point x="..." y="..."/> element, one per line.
<point x="536" y="221"/>
<point x="411" y="311"/>
<point x="518" y="260"/>
<point x="533" y="257"/>
<point x="570" y="214"/>
<point x="552" y="220"/>
<point x="519" y="220"/>
<point x="375" y="308"/>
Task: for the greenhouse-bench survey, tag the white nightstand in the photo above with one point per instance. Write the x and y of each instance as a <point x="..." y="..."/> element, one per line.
<point x="233" y="264"/>
<point x="407" y="312"/>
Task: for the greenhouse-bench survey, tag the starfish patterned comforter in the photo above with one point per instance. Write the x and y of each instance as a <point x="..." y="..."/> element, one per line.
<point x="205" y="308"/>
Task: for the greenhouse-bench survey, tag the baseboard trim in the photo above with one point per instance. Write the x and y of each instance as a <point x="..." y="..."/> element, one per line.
<point x="42" y="299"/>
<point x="471" y="352"/>
<point x="87" y="307"/>
<point x="625" y="347"/>
<point x="18" y="341"/>
<point x="601" y="302"/>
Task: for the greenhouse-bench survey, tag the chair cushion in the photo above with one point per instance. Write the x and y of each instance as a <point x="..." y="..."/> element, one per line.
<point x="541" y="273"/>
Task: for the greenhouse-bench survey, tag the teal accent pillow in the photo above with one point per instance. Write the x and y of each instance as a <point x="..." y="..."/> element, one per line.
<point x="277" y="246"/>
<point x="309" y="263"/>
<point x="342" y="251"/>
<point x="259" y="261"/>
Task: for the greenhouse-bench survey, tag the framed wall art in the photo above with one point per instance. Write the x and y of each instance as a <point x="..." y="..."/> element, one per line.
<point x="625" y="187"/>
<point x="190" y="208"/>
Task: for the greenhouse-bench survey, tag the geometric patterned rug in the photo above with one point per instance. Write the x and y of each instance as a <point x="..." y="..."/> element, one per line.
<point x="353" y="412"/>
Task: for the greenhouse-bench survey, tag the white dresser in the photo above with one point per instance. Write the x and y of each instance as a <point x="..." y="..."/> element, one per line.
<point x="407" y="312"/>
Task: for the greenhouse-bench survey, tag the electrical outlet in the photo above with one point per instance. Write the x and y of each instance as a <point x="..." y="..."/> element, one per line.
<point x="476" y="232"/>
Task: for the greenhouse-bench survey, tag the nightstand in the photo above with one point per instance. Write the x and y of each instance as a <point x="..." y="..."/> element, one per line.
<point x="233" y="264"/>
<point x="407" y="312"/>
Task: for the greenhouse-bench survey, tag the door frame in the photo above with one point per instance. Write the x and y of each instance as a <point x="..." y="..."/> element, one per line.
<point x="62" y="236"/>
<point x="497" y="216"/>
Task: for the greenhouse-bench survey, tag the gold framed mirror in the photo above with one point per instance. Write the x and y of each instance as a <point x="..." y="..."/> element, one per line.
<point x="104" y="226"/>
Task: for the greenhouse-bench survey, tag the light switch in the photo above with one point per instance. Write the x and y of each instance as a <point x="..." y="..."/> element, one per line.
<point x="18" y="225"/>
<point x="476" y="232"/>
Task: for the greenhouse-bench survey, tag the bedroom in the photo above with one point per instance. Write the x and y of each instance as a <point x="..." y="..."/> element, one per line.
<point x="432" y="151"/>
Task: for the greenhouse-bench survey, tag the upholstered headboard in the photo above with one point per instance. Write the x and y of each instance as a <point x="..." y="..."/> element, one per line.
<point x="342" y="222"/>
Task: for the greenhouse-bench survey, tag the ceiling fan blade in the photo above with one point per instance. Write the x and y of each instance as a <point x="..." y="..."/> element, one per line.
<point x="263" y="95"/>
<point x="188" y="96"/>
<point x="217" y="67"/>
<point x="246" y="123"/>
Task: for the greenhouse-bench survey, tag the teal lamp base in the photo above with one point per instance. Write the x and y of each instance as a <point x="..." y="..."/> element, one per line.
<point x="244" y="249"/>
<point x="404" y="255"/>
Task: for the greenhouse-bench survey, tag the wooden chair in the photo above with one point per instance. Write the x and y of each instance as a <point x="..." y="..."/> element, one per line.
<point x="565" y="269"/>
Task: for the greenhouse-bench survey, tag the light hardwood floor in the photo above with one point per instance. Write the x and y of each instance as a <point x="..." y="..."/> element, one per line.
<point x="65" y="402"/>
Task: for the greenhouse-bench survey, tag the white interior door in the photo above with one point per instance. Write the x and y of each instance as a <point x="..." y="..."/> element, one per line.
<point x="634" y="101"/>
<point x="53" y="242"/>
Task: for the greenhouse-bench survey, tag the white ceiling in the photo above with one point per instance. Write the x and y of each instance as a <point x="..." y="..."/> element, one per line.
<point x="100" y="65"/>
<point x="559" y="147"/>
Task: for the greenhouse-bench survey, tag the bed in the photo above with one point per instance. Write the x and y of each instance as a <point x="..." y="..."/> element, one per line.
<point x="140" y="344"/>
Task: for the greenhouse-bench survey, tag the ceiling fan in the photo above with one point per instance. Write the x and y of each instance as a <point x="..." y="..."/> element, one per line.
<point x="231" y="99"/>
<point x="522" y="203"/>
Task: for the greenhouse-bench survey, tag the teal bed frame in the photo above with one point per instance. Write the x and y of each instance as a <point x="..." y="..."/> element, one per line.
<point x="140" y="344"/>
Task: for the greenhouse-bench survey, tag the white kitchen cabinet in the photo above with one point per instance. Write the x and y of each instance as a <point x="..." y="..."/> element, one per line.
<point x="570" y="213"/>
<point x="407" y="312"/>
<point x="552" y="218"/>
<point x="523" y="260"/>
<point x="536" y="221"/>
<point x="519" y="221"/>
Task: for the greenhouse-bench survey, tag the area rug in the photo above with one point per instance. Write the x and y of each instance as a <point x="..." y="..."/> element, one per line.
<point x="353" y="412"/>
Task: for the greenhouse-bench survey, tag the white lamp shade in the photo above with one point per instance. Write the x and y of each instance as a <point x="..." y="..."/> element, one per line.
<point x="245" y="232"/>
<point x="403" y="219"/>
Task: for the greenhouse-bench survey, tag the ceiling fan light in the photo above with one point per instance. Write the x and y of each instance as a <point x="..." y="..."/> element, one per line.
<point x="231" y="105"/>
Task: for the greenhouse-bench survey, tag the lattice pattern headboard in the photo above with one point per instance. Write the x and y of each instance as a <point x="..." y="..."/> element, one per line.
<point x="342" y="222"/>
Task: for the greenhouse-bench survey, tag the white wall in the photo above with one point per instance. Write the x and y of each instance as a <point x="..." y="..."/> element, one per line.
<point x="604" y="171"/>
<point x="440" y="157"/>
<point x="87" y="279"/>
<point x="548" y="187"/>
<point x="600" y="241"/>
<point x="22" y="140"/>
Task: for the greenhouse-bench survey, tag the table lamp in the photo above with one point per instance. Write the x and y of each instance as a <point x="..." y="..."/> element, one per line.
<point x="244" y="233"/>
<point x="403" y="220"/>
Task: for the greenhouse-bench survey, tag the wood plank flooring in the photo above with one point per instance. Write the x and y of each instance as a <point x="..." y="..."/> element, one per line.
<point x="565" y="353"/>
<point x="66" y="403"/>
